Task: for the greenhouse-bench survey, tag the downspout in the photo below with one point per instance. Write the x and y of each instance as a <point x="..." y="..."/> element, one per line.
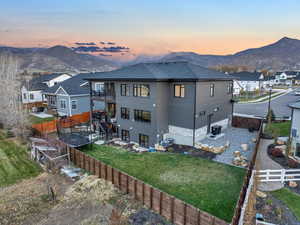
<point x="91" y="112"/>
<point x="70" y="107"/>
<point x="194" y="113"/>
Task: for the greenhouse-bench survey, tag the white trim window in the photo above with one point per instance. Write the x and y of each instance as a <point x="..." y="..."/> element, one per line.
<point x="63" y="104"/>
<point x="74" y="104"/>
<point x="99" y="87"/>
<point x="31" y="96"/>
<point x="24" y="96"/>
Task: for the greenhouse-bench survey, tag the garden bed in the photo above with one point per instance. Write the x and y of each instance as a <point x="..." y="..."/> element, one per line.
<point x="197" y="181"/>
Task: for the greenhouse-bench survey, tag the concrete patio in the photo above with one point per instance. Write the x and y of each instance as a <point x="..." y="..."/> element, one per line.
<point x="236" y="137"/>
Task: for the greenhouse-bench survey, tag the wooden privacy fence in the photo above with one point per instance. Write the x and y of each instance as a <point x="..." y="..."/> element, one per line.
<point x="175" y="210"/>
<point x="282" y="175"/>
<point x="51" y="126"/>
<point x="239" y="212"/>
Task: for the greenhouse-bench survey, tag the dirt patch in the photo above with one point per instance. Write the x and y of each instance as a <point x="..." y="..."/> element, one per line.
<point x="275" y="211"/>
<point x="183" y="149"/>
<point x="88" y="201"/>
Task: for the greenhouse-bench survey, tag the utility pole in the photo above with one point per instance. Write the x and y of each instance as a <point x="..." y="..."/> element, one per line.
<point x="269" y="107"/>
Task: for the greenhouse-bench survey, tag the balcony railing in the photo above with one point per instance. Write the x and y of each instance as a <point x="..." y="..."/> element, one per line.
<point x="103" y="93"/>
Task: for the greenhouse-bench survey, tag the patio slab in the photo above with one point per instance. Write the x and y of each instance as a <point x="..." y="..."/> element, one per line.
<point x="236" y="137"/>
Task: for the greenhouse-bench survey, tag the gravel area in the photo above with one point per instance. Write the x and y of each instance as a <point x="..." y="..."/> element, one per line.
<point x="147" y="217"/>
<point x="236" y="137"/>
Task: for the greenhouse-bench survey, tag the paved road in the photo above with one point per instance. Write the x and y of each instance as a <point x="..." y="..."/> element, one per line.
<point x="279" y="106"/>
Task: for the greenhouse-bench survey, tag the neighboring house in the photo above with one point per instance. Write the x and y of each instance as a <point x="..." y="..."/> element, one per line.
<point x="32" y="90"/>
<point x="149" y="102"/>
<point x="295" y="129"/>
<point x="297" y="80"/>
<point x="286" y="78"/>
<point x="71" y="96"/>
<point x="247" y="81"/>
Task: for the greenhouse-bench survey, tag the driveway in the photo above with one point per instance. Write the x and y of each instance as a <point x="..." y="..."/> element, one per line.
<point x="279" y="106"/>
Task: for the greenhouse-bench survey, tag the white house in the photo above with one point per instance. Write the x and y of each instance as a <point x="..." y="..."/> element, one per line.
<point x="31" y="91"/>
<point x="285" y="78"/>
<point x="247" y="81"/>
<point x="295" y="129"/>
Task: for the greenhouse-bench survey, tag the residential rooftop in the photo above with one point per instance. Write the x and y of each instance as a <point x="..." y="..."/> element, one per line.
<point x="247" y="76"/>
<point x="76" y="85"/>
<point x="167" y="71"/>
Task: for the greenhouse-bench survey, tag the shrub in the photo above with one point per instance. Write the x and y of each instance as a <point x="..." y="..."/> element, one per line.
<point x="277" y="152"/>
<point x="293" y="163"/>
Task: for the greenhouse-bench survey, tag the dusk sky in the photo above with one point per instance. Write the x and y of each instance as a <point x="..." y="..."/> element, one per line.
<point x="150" y="27"/>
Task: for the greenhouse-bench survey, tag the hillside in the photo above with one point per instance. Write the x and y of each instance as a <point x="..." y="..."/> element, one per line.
<point x="58" y="59"/>
<point x="281" y="55"/>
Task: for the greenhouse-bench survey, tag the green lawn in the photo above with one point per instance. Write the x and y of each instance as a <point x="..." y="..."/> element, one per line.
<point x="291" y="199"/>
<point x="210" y="186"/>
<point x="281" y="129"/>
<point x="37" y="120"/>
<point x="14" y="163"/>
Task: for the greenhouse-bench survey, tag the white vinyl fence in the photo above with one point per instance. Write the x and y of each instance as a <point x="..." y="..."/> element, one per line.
<point x="278" y="175"/>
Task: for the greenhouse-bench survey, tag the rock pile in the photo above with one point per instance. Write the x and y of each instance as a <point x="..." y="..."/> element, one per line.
<point x="213" y="149"/>
<point x="239" y="160"/>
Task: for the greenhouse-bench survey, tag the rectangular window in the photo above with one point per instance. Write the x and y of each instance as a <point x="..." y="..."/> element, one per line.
<point x="124" y="90"/>
<point x="74" y="104"/>
<point x="125" y="113"/>
<point x="229" y="88"/>
<point x="144" y="140"/>
<point x="212" y="90"/>
<point x="125" y="135"/>
<point x="62" y="104"/>
<point x="24" y="96"/>
<point x="141" y="90"/>
<point x="143" y="116"/>
<point x="31" y="96"/>
<point x="179" y="90"/>
<point x="99" y="87"/>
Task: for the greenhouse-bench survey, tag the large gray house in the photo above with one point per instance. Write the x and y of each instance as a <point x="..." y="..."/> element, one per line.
<point x="149" y="102"/>
<point x="71" y="96"/>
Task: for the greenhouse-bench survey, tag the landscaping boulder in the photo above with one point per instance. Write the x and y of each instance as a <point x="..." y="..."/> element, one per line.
<point x="282" y="147"/>
<point x="261" y="194"/>
<point x="237" y="154"/>
<point x="240" y="161"/>
<point x="292" y="184"/>
<point x="244" y="147"/>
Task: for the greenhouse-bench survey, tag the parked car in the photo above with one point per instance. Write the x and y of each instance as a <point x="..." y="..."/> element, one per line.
<point x="297" y="93"/>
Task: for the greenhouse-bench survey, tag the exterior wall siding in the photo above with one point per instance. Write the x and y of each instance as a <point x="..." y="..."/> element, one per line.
<point x="172" y="116"/>
<point x="296" y="126"/>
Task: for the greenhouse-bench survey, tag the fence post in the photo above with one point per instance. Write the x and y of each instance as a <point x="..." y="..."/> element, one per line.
<point x="282" y="175"/>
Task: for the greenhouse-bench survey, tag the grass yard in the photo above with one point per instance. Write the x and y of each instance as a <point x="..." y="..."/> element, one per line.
<point x="14" y="163"/>
<point x="210" y="186"/>
<point x="37" y="120"/>
<point x="291" y="199"/>
<point x="281" y="129"/>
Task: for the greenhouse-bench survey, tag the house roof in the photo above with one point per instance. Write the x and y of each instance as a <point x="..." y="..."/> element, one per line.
<point x="167" y="71"/>
<point x="73" y="86"/>
<point x="291" y="73"/>
<point x="295" y="105"/>
<point x="38" y="83"/>
<point x="247" y="76"/>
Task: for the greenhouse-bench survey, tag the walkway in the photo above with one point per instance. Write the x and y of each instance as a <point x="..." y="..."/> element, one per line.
<point x="264" y="162"/>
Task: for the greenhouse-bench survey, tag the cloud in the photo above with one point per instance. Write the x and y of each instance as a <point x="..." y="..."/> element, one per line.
<point x="107" y="43"/>
<point x="105" y="55"/>
<point x="85" y="43"/>
<point x="111" y="49"/>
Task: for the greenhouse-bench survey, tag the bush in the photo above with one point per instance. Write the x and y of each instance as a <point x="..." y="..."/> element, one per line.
<point x="277" y="152"/>
<point x="293" y="163"/>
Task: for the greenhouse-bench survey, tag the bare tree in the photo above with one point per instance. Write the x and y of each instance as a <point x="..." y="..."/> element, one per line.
<point x="12" y="114"/>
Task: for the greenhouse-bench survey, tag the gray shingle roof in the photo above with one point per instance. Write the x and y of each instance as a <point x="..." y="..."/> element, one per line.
<point x="72" y="85"/>
<point x="37" y="83"/>
<point x="161" y="72"/>
<point x="247" y="76"/>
